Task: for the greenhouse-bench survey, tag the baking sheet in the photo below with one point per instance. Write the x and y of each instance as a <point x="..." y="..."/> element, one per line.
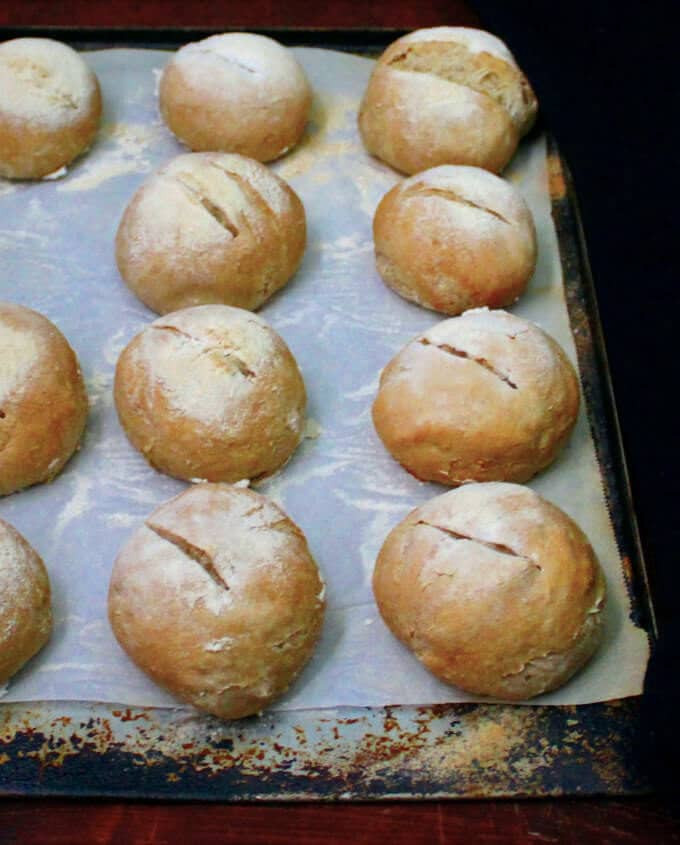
<point x="343" y="325"/>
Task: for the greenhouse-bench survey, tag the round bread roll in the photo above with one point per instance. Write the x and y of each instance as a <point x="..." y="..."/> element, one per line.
<point x="211" y="393"/>
<point x="447" y="95"/>
<point x="236" y="93"/>
<point x="43" y="403"/>
<point x="494" y="589"/>
<point x="486" y="396"/>
<point x="210" y="228"/>
<point x="218" y="599"/>
<point x="50" y="107"/>
<point x="25" y="609"/>
<point x="453" y="238"/>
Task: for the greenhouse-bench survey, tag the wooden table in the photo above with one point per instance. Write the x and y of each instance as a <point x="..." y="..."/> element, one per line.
<point x="600" y="77"/>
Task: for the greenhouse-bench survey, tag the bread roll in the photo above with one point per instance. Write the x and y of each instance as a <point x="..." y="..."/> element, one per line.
<point x="50" y="107"/>
<point x="496" y="590"/>
<point x="210" y="228"/>
<point x="211" y="393"/>
<point x="486" y="396"/>
<point x="43" y="403"/>
<point x="25" y="609"/>
<point x="447" y="95"/>
<point x="453" y="238"/>
<point x="236" y="93"/>
<point x="218" y="599"/>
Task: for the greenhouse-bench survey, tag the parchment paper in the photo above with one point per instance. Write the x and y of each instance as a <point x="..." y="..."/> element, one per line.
<point x="342" y="324"/>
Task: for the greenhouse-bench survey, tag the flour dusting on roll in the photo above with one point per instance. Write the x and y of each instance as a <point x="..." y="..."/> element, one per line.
<point x="211" y="393"/>
<point x="218" y="599"/>
<point x="25" y="603"/>
<point x="210" y="228"/>
<point x="43" y="402"/>
<point x="453" y="238"/>
<point x="494" y="589"/>
<point x="446" y="95"/>
<point x="236" y="92"/>
<point x="50" y="107"/>
<point x="486" y="396"/>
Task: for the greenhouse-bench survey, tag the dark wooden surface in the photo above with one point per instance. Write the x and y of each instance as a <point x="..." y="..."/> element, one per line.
<point x="482" y="823"/>
<point x="257" y="13"/>
<point x="603" y="79"/>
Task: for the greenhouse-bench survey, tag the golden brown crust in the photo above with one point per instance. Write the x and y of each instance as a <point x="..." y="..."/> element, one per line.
<point x="473" y="58"/>
<point x="25" y="608"/>
<point x="448" y="95"/>
<point x="236" y="92"/>
<point x="496" y="590"/>
<point x="43" y="402"/>
<point x="210" y="228"/>
<point x="414" y="122"/>
<point x="453" y="238"/>
<point x="211" y="392"/>
<point x="218" y="599"/>
<point x="51" y="110"/>
<point x="486" y="396"/>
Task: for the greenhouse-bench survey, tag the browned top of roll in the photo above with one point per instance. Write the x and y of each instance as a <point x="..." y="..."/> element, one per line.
<point x="494" y="588"/>
<point x="43" y="403"/>
<point x="50" y="106"/>
<point x="25" y="608"/>
<point x="447" y="95"/>
<point x="470" y="57"/>
<point x="210" y="228"/>
<point x="455" y="237"/>
<point x="485" y="396"/>
<point x="211" y="392"/>
<point x="236" y="92"/>
<point x="218" y="599"/>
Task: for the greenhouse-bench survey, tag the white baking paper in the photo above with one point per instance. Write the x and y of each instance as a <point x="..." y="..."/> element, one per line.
<point x="342" y="324"/>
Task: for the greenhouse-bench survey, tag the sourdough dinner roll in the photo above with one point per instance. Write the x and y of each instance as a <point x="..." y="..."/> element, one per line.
<point x="486" y="396"/>
<point x="43" y="403"/>
<point x="218" y="599"/>
<point x="50" y="107"/>
<point x="211" y="392"/>
<point x="210" y="228"/>
<point x="453" y="238"/>
<point x="237" y="93"/>
<point x="25" y="609"/>
<point x="447" y="95"/>
<point x="494" y="589"/>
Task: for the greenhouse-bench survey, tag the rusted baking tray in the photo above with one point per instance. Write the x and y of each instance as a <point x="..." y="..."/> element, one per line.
<point x="454" y="751"/>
